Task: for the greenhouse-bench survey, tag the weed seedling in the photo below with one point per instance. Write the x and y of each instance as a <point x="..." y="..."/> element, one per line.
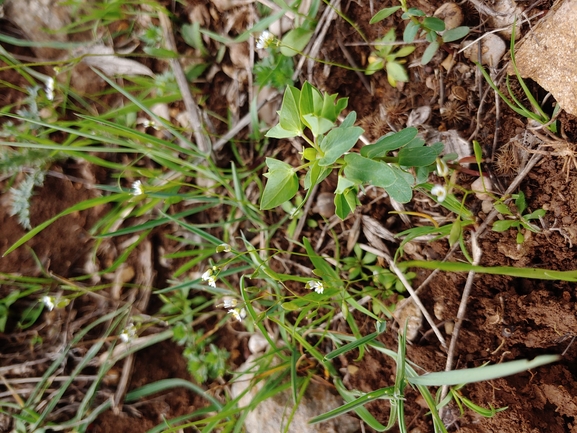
<point x="517" y="218"/>
<point x="308" y="109"/>
<point x="385" y="57"/>
<point x="432" y="28"/>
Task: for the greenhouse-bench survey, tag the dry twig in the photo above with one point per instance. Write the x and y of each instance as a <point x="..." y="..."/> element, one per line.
<point x="193" y="112"/>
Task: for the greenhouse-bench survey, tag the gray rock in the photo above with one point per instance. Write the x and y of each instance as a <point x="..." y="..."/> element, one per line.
<point x="271" y="415"/>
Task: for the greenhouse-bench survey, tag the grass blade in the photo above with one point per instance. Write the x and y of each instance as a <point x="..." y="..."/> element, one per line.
<point x="479" y="374"/>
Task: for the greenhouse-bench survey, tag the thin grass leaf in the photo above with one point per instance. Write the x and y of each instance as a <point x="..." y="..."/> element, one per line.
<point x="481" y="374"/>
<point x="294" y="374"/>
<point x="361" y="411"/>
<point x="383" y="393"/>
<point x="528" y="93"/>
<point x="351" y="346"/>
<point x="534" y="273"/>
<point x="155" y="223"/>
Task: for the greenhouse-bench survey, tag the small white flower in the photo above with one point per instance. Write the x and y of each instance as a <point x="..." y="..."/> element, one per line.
<point x="440" y="192"/>
<point x="229" y="302"/>
<point x="209" y="277"/>
<point x="238" y="313"/>
<point x="128" y="333"/>
<point x="442" y="168"/>
<point x="49" y="89"/>
<point x="206" y="275"/>
<point x="265" y="39"/>
<point x="317" y="286"/>
<point x="49" y="302"/>
<point x="137" y="188"/>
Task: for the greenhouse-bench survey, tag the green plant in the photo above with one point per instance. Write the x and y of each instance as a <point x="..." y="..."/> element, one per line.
<point x="407" y="375"/>
<point x="308" y="109"/>
<point x="362" y="266"/>
<point x="432" y="28"/>
<point x="204" y="360"/>
<point x="535" y="113"/>
<point x="274" y="70"/>
<point x="516" y="216"/>
<point x="384" y="57"/>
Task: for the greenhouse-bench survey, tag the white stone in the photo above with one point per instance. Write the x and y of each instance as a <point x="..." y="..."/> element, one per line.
<point x="271" y="415"/>
<point x="547" y="54"/>
<point x="492" y="50"/>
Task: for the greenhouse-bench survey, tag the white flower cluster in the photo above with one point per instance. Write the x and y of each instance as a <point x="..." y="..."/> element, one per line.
<point x="317" y="286"/>
<point x="128" y="333"/>
<point x="265" y="40"/>
<point x="49" y="89"/>
<point x="49" y="302"/>
<point x="209" y="276"/>
<point x="238" y="313"/>
<point x="440" y="192"/>
<point x="230" y="304"/>
<point x="52" y="302"/>
<point x="137" y="188"/>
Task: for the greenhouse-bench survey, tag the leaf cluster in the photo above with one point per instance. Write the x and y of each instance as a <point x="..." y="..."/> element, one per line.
<point x="518" y="219"/>
<point x="431" y="28"/>
<point x="275" y="70"/>
<point x="385" y="57"/>
<point x="309" y="110"/>
<point x="203" y="362"/>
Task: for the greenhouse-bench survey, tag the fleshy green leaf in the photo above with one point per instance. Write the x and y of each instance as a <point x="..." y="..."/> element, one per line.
<point x="277" y="131"/>
<point x="434" y="23"/>
<point x="333" y="107"/>
<point x="289" y="118"/>
<point x="392" y="179"/>
<point x="384" y="13"/>
<point x="345" y="197"/>
<point x="349" y="120"/>
<point x="316" y="174"/>
<point x="282" y="184"/>
<point x="417" y="156"/>
<point x="389" y="142"/>
<point x="429" y="52"/>
<point x="413" y="12"/>
<point x="337" y="142"/>
<point x="364" y="170"/>
<point x="410" y="32"/>
<point x="311" y="100"/>
<point x="539" y="213"/>
<point x="396" y="72"/>
<point x="502" y="208"/>
<point x="521" y="202"/>
<point x="504" y="225"/>
<point x="405" y="51"/>
<point x="455" y="34"/>
<point x="295" y="41"/>
<point x="342" y="207"/>
<point x="161" y="53"/>
<point x="318" y="125"/>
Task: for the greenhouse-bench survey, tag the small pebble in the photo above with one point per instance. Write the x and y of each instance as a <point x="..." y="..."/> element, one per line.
<point x="492" y="50"/>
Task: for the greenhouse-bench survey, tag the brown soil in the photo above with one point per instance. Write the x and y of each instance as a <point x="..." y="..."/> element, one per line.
<point x="507" y="318"/>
